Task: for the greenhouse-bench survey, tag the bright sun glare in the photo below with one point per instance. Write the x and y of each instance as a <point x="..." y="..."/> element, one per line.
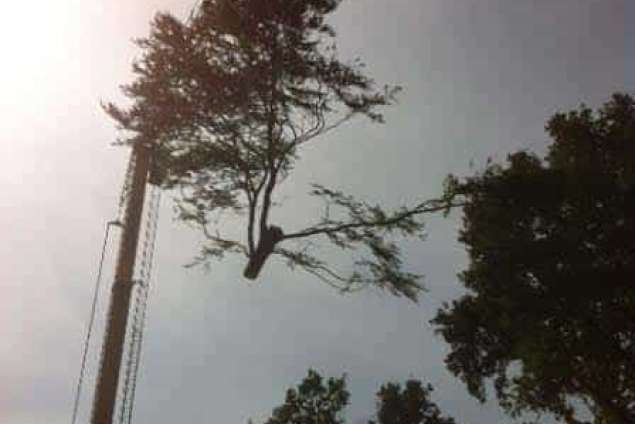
<point x="37" y="39"/>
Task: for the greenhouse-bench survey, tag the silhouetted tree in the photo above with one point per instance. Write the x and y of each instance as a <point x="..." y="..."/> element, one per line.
<point x="316" y="401"/>
<point x="550" y="313"/>
<point x="227" y="100"/>
<point x="410" y="405"/>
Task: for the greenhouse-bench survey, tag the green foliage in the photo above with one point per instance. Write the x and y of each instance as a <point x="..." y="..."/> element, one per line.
<point x="410" y="405"/>
<point x="314" y="401"/>
<point x="319" y="401"/>
<point x="228" y="99"/>
<point x="550" y="313"/>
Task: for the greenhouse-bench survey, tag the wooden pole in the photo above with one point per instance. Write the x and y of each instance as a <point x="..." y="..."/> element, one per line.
<point x="108" y="378"/>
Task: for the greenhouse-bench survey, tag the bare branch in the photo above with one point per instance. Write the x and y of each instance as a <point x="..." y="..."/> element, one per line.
<point x="225" y="244"/>
<point x="426" y="207"/>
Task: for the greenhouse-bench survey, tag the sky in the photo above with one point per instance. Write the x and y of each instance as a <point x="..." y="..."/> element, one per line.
<point x="480" y="79"/>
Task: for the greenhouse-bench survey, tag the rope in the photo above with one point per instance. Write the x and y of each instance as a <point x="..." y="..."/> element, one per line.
<point x="93" y="308"/>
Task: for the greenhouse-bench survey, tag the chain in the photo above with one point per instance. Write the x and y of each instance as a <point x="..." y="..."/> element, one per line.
<point x="132" y="335"/>
<point x="141" y="293"/>
<point x="151" y="236"/>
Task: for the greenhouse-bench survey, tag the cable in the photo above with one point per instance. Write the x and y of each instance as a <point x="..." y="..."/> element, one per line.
<point x="91" y="321"/>
<point x="117" y="222"/>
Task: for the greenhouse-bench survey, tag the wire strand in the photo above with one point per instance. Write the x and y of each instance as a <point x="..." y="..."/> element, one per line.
<point x="91" y="322"/>
<point x="93" y="309"/>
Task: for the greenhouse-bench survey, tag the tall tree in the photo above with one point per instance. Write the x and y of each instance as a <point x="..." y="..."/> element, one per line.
<point x="410" y="405"/>
<point x="228" y="99"/>
<point x="550" y="309"/>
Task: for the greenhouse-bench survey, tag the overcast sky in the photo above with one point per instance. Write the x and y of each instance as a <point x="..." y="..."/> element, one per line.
<point x="480" y="79"/>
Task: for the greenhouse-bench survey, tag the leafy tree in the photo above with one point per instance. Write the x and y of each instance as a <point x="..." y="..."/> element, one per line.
<point x="410" y="405"/>
<point x="316" y="401"/>
<point x="228" y="99"/>
<point x="550" y="309"/>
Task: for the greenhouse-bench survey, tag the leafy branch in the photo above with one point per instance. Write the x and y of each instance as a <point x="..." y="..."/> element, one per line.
<point x="228" y="99"/>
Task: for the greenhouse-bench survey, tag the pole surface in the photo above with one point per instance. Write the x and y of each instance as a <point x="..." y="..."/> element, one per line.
<point x="108" y="378"/>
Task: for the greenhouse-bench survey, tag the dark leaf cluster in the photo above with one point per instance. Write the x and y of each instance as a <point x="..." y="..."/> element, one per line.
<point x="550" y="313"/>
<point x="408" y="405"/>
<point x="314" y="401"/>
<point x="319" y="401"/>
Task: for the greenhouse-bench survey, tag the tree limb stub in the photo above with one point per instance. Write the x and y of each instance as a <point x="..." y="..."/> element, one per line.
<point x="268" y="240"/>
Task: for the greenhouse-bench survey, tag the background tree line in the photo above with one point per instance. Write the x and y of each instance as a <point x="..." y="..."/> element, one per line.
<point x="549" y="316"/>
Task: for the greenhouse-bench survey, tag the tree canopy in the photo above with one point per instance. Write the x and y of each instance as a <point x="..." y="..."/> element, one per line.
<point x="314" y="401"/>
<point x="550" y="309"/>
<point x="410" y="405"/>
<point x="227" y="100"/>
<point x="320" y="401"/>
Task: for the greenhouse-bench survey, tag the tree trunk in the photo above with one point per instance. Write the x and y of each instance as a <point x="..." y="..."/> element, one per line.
<point x="268" y="240"/>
